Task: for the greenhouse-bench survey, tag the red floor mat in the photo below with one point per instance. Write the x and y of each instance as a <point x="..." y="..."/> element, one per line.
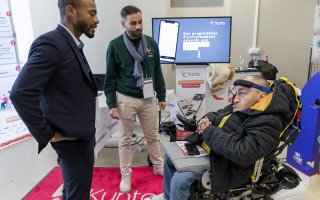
<point x="105" y="185"/>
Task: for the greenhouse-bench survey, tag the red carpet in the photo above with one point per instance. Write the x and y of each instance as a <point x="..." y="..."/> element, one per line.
<point x="105" y="185"/>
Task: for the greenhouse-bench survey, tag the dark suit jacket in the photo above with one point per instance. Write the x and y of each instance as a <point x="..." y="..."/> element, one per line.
<point x="53" y="92"/>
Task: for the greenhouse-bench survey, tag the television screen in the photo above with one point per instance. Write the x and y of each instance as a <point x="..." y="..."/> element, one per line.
<point x="193" y="40"/>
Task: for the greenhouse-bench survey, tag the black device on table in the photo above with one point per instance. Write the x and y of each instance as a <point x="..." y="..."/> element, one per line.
<point x="192" y="149"/>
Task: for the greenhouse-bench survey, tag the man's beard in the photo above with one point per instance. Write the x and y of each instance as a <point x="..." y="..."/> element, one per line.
<point x="84" y="28"/>
<point x="135" y="34"/>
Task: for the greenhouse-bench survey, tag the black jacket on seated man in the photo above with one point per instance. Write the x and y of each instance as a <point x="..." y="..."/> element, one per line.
<point x="246" y="136"/>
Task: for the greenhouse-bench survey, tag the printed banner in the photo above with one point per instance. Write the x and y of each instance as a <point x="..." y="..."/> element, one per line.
<point x="316" y="20"/>
<point x="8" y="51"/>
<point x="191" y="89"/>
<point x="315" y="49"/>
<point x="9" y="70"/>
<point x="5" y="20"/>
<point x="12" y="129"/>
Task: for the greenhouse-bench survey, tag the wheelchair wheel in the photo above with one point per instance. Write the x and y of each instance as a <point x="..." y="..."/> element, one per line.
<point x="267" y="189"/>
<point x="290" y="181"/>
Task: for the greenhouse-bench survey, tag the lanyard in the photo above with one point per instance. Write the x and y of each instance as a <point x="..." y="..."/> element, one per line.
<point x="145" y="65"/>
<point x="145" y="59"/>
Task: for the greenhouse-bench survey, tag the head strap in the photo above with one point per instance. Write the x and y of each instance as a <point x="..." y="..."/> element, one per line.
<point x="249" y="84"/>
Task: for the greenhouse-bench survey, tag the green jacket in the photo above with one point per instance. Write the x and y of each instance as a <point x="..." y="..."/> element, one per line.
<point x="119" y="73"/>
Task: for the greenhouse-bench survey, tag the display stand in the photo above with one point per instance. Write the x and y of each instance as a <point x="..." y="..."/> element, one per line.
<point x="304" y="154"/>
<point x="191" y="89"/>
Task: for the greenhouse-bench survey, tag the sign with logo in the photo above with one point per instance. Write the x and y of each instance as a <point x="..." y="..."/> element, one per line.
<point x="191" y="89"/>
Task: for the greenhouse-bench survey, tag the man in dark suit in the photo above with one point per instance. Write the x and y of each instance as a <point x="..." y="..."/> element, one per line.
<point x="55" y="94"/>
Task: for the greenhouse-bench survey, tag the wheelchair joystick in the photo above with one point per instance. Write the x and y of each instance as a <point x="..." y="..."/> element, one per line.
<point x="188" y="124"/>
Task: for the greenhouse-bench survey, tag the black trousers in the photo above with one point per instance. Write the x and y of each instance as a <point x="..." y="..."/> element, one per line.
<point x="76" y="158"/>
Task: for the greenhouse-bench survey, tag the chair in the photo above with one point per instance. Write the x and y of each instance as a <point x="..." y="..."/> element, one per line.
<point x="270" y="176"/>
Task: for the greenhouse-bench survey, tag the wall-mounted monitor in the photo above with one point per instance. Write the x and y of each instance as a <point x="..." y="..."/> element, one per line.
<point x="193" y="40"/>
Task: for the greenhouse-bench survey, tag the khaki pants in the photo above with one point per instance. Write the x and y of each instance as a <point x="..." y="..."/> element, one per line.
<point x="146" y="109"/>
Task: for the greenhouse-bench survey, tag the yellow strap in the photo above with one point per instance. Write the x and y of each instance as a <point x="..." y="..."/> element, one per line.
<point x="297" y="100"/>
<point x="220" y="125"/>
<point x="205" y="147"/>
<point x="223" y="121"/>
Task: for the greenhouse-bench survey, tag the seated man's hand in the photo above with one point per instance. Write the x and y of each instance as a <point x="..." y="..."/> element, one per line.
<point x="203" y="124"/>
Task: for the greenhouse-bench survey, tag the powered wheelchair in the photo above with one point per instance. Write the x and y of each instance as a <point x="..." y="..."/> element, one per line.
<point x="270" y="176"/>
<point x="271" y="179"/>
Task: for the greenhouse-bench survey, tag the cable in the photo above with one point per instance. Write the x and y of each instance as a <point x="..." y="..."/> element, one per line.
<point x="137" y="142"/>
<point x="134" y="140"/>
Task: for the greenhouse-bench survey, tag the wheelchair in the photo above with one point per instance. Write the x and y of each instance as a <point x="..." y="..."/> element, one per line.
<point x="270" y="176"/>
<point x="271" y="179"/>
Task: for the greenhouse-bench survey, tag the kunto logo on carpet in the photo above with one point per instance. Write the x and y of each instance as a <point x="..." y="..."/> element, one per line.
<point x="105" y="185"/>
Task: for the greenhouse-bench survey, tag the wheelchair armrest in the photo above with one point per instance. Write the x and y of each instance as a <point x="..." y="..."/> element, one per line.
<point x="294" y="134"/>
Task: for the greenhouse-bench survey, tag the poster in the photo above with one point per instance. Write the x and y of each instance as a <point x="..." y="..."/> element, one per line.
<point x="8" y="51"/>
<point x="316" y="20"/>
<point x="12" y="129"/>
<point x="316" y="48"/>
<point x="191" y="89"/>
<point x="6" y="29"/>
<point x="9" y="70"/>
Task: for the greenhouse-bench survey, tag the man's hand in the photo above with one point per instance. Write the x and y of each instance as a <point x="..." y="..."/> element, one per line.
<point x="58" y="137"/>
<point x="162" y="105"/>
<point x="114" y="113"/>
<point x="203" y="124"/>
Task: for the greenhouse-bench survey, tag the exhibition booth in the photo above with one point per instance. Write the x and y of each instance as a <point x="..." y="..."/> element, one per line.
<point x="199" y="49"/>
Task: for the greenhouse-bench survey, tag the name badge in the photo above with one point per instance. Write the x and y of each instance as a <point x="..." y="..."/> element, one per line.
<point x="148" y="88"/>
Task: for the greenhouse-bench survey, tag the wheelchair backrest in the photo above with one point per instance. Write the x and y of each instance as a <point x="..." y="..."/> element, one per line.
<point x="289" y="133"/>
<point x="293" y="100"/>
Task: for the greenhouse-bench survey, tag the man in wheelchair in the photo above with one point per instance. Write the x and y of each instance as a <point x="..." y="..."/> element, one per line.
<point x="236" y="137"/>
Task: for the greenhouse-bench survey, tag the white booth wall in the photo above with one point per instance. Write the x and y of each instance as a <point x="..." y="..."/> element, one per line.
<point x="284" y="29"/>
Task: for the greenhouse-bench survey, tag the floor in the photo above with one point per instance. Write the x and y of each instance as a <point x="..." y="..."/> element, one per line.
<point x="21" y="168"/>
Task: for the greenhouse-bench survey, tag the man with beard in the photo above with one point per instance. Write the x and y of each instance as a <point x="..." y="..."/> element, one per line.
<point x="133" y="74"/>
<point x="55" y="94"/>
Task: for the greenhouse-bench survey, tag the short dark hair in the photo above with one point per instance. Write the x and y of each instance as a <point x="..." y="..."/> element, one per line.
<point x="63" y="3"/>
<point x="128" y="10"/>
